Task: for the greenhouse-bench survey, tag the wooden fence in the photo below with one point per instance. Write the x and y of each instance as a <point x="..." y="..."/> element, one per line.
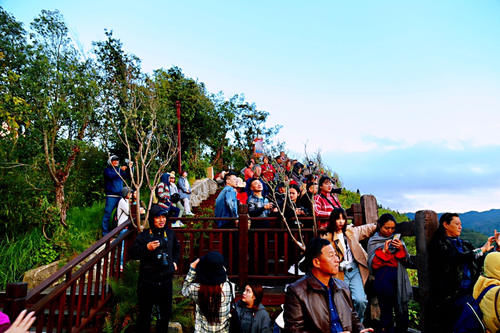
<point x="263" y="255"/>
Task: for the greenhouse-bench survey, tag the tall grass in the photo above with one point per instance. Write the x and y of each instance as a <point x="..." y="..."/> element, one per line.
<point x="84" y="228"/>
<point x="20" y="254"/>
<point x="23" y="252"/>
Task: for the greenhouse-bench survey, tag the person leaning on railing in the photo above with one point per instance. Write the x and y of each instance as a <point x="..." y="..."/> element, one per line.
<point x="353" y="258"/>
<point x="454" y="266"/>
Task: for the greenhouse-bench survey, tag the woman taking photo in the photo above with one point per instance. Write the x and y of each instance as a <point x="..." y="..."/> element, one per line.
<point x="325" y="201"/>
<point x="353" y="267"/>
<point x="251" y="312"/>
<point x="207" y="285"/>
<point x="386" y="255"/>
<point x="454" y="266"/>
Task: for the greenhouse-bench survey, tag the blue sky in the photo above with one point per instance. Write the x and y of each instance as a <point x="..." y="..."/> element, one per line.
<point x="402" y="98"/>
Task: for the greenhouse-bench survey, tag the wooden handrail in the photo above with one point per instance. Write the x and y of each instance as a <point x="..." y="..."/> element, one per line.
<point x="76" y="261"/>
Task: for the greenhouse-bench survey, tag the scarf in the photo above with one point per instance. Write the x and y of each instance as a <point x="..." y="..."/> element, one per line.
<point x="404" y="289"/>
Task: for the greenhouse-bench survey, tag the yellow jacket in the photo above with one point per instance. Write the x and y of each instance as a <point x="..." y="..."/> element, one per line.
<point x="491" y="277"/>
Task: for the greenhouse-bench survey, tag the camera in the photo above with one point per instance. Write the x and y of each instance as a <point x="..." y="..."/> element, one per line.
<point x="336" y="190"/>
<point x="163" y="258"/>
<point x="161" y="251"/>
<point x="345" y="266"/>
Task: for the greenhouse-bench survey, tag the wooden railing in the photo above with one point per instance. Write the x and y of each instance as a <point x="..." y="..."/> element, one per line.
<point x="262" y="255"/>
<point x="81" y="287"/>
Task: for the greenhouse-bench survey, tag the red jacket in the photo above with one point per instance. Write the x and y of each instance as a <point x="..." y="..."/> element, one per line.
<point x="387" y="259"/>
<point x="268" y="172"/>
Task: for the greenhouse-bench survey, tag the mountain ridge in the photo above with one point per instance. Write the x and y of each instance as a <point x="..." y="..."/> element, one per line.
<point x="483" y="222"/>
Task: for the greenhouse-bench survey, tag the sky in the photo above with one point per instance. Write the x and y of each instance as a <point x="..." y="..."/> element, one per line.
<point x="402" y="98"/>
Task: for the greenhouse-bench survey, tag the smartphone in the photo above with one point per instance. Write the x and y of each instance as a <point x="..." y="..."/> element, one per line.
<point x="397" y="236"/>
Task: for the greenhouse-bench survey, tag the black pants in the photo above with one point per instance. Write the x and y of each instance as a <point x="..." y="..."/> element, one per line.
<point x="385" y="287"/>
<point x="148" y="296"/>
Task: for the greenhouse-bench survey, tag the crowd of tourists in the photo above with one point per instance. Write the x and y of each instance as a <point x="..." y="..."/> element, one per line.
<point x="342" y="276"/>
<point x="354" y="276"/>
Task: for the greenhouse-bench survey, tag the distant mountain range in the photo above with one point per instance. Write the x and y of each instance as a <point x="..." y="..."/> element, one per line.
<point x="483" y="222"/>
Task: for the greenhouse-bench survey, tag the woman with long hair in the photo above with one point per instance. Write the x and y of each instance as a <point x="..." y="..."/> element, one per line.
<point x="251" y="312"/>
<point x="207" y="285"/>
<point x="386" y="256"/>
<point x="353" y="268"/>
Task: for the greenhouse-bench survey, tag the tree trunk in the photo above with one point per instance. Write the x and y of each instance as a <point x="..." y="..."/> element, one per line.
<point x="60" y="203"/>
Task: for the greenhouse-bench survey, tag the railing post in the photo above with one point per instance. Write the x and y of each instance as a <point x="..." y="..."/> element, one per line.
<point x="369" y="208"/>
<point x="243" y="244"/>
<point x="15" y="300"/>
<point x="357" y="214"/>
<point x="425" y="225"/>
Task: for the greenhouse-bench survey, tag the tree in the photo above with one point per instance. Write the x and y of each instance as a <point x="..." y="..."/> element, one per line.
<point x="131" y="109"/>
<point x="201" y="124"/>
<point x="62" y="91"/>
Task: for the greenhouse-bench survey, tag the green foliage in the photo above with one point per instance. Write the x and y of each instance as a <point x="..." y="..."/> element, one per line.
<point x="84" y="228"/>
<point x="22" y="253"/>
<point x="347" y="198"/>
<point x="414" y="314"/>
<point x="477" y="239"/>
<point x="125" y="298"/>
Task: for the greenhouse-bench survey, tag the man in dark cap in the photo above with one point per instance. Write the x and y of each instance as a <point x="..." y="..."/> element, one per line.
<point x="318" y="302"/>
<point x="158" y="250"/>
<point x="113" y="184"/>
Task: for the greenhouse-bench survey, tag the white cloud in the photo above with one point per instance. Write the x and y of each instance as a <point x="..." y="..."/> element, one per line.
<point x="442" y="201"/>
<point x="455" y="118"/>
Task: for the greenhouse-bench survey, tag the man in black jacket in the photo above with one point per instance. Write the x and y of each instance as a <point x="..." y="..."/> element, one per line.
<point x="318" y="302"/>
<point x="158" y="250"/>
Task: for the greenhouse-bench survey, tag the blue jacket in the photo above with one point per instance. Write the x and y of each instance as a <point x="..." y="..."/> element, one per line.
<point x="113" y="184"/>
<point x="183" y="188"/>
<point x="256" y="206"/>
<point x="226" y="204"/>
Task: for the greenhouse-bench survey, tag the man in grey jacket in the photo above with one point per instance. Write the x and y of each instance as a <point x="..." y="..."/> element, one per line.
<point x="318" y="302"/>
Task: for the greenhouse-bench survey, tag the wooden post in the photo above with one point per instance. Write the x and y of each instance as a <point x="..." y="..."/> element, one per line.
<point x="15" y="300"/>
<point x="426" y="224"/>
<point x="369" y="208"/>
<point x="243" y="245"/>
<point x="357" y="213"/>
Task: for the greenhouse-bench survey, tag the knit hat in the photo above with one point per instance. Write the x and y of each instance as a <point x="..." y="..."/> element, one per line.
<point x="210" y="269"/>
<point x="492" y="265"/>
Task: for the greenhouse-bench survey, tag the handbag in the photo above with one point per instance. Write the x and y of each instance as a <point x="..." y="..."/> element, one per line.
<point x="234" y="320"/>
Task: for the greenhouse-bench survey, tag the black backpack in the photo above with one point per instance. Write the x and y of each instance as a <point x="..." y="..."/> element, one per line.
<point x="471" y="319"/>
